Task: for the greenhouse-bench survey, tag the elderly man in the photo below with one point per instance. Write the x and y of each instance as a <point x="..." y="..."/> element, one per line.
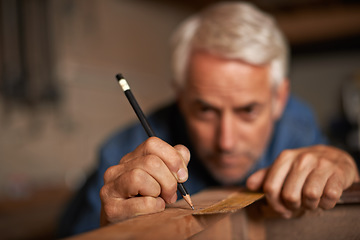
<point x="234" y="115"/>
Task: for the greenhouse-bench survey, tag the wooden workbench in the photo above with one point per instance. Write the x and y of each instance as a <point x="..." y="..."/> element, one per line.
<point x="256" y="221"/>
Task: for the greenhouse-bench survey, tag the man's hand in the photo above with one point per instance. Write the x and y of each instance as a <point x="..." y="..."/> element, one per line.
<point x="143" y="181"/>
<point x="305" y="178"/>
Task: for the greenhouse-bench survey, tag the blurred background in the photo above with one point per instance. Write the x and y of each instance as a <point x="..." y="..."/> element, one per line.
<point x="59" y="99"/>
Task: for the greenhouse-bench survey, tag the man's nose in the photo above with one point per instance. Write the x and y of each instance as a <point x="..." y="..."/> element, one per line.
<point x="227" y="132"/>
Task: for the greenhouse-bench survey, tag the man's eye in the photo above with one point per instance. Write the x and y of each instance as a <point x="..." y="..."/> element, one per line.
<point x="205" y="112"/>
<point x="248" y="113"/>
<point x="249" y="109"/>
<point x="205" y="109"/>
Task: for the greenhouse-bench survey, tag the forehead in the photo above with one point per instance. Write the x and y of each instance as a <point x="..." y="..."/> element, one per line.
<point x="211" y="77"/>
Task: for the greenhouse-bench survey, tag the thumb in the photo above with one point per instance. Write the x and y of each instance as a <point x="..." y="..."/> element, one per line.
<point x="256" y="180"/>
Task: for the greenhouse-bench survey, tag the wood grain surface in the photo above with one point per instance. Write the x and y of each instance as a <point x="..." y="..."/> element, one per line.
<point x="178" y="221"/>
<point x="216" y="216"/>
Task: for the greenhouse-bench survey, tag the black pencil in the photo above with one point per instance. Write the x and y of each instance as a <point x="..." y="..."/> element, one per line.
<point x="139" y="113"/>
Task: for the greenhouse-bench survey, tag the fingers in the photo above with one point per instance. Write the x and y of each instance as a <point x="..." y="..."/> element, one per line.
<point x="147" y="173"/>
<point x="255" y="181"/>
<point x="323" y="194"/>
<point x="143" y="181"/>
<point x="134" y="183"/>
<point x="129" y="208"/>
<point x="332" y="193"/>
<point x="175" y="159"/>
<point x="293" y="186"/>
<point x="314" y="185"/>
<point x="274" y="182"/>
<point x="136" y="192"/>
<point x="306" y="178"/>
<point x="146" y="176"/>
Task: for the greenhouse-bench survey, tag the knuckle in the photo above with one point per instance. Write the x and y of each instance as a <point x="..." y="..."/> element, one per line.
<point x="153" y="162"/>
<point x="110" y="211"/>
<point x="109" y="173"/>
<point x="290" y="197"/>
<point x="323" y="163"/>
<point x="151" y="143"/>
<point x="157" y="192"/>
<point x="285" y="154"/>
<point x="311" y="193"/>
<point x="136" y="177"/>
<point x="104" y="192"/>
<point x="269" y="189"/>
<point x="332" y="193"/>
<point x="304" y="160"/>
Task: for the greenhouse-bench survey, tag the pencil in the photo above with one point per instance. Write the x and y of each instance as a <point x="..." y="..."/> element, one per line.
<point x="139" y="113"/>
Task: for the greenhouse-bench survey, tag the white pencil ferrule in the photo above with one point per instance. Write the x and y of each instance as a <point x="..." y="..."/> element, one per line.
<point x="124" y="85"/>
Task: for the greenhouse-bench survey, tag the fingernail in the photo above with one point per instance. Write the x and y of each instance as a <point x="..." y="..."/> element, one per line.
<point x="182" y="175"/>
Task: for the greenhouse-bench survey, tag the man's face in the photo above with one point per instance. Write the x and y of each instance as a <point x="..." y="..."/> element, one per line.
<point x="230" y="108"/>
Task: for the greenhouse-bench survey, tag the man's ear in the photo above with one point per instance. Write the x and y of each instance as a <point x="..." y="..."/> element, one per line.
<point x="281" y="94"/>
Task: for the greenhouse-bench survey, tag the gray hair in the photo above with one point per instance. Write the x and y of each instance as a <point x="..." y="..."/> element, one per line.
<point x="233" y="30"/>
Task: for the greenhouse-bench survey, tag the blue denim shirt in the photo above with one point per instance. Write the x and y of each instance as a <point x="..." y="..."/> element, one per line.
<point x="296" y="128"/>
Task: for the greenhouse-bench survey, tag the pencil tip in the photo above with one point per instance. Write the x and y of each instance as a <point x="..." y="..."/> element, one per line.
<point x="119" y="76"/>
<point x="188" y="200"/>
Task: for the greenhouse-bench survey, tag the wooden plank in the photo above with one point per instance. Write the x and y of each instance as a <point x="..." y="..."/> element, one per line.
<point x="222" y="229"/>
<point x="212" y="219"/>
<point x="178" y="221"/>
